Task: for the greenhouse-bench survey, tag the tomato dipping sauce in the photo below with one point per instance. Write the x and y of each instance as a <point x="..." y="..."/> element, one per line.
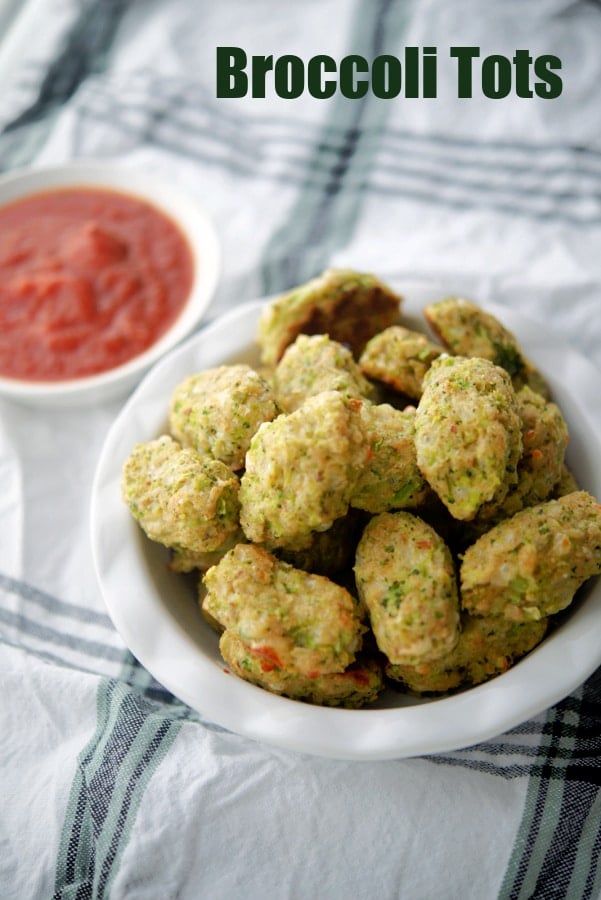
<point x="89" y="278"/>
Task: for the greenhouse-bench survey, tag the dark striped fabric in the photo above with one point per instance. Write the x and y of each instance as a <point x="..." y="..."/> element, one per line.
<point x="131" y="738"/>
<point x="500" y="199"/>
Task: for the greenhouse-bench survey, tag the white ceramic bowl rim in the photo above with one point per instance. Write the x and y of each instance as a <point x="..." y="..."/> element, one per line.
<point x="161" y="625"/>
<point x="194" y="223"/>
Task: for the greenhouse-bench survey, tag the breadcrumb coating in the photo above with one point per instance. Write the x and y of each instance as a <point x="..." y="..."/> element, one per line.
<point x="400" y="358"/>
<point x="290" y="618"/>
<point x="217" y="411"/>
<point x="180" y="499"/>
<point x="316" y="363"/>
<point x="347" y="305"/>
<point x="468" y="433"/>
<point x="530" y="565"/>
<point x="358" y="685"/>
<point x="300" y="472"/>
<point x="406" y="577"/>
<point x="487" y="647"/>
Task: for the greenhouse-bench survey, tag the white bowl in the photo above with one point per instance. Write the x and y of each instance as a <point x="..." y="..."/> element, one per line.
<point x="155" y="610"/>
<point x="194" y="223"/>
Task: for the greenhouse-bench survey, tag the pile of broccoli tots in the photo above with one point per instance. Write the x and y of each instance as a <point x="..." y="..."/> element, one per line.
<point x="371" y="505"/>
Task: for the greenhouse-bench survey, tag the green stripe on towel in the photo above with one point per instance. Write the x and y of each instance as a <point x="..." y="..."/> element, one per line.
<point x="323" y="218"/>
<point x="131" y="738"/>
<point x="559" y="838"/>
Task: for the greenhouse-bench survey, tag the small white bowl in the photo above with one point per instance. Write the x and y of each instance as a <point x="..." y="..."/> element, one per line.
<point x="194" y="224"/>
<point x="156" y="612"/>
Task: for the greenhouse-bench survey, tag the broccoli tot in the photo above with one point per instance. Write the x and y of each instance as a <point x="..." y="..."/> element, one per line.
<point x="300" y="472"/>
<point x="468" y="433"/>
<point x="406" y="578"/>
<point x="399" y="358"/>
<point x="466" y="329"/>
<point x="353" y="688"/>
<point x="348" y="306"/>
<point x="531" y="565"/>
<point x="180" y="499"/>
<point x="217" y="411"/>
<point x="541" y="465"/>
<point x="487" y="646"/>
<point x="288" y="618"/>
<point x="390" y="478"/>
<point x="316" y="363"/>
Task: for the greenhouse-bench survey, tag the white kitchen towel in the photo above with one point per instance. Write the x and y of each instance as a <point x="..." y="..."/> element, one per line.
<point x="113" y="788"/>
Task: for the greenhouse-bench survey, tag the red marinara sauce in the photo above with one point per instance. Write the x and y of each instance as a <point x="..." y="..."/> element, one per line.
<point x="89" y="278"/>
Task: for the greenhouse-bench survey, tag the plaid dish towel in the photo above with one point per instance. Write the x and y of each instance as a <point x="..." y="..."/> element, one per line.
<point x="110" y="786"/>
